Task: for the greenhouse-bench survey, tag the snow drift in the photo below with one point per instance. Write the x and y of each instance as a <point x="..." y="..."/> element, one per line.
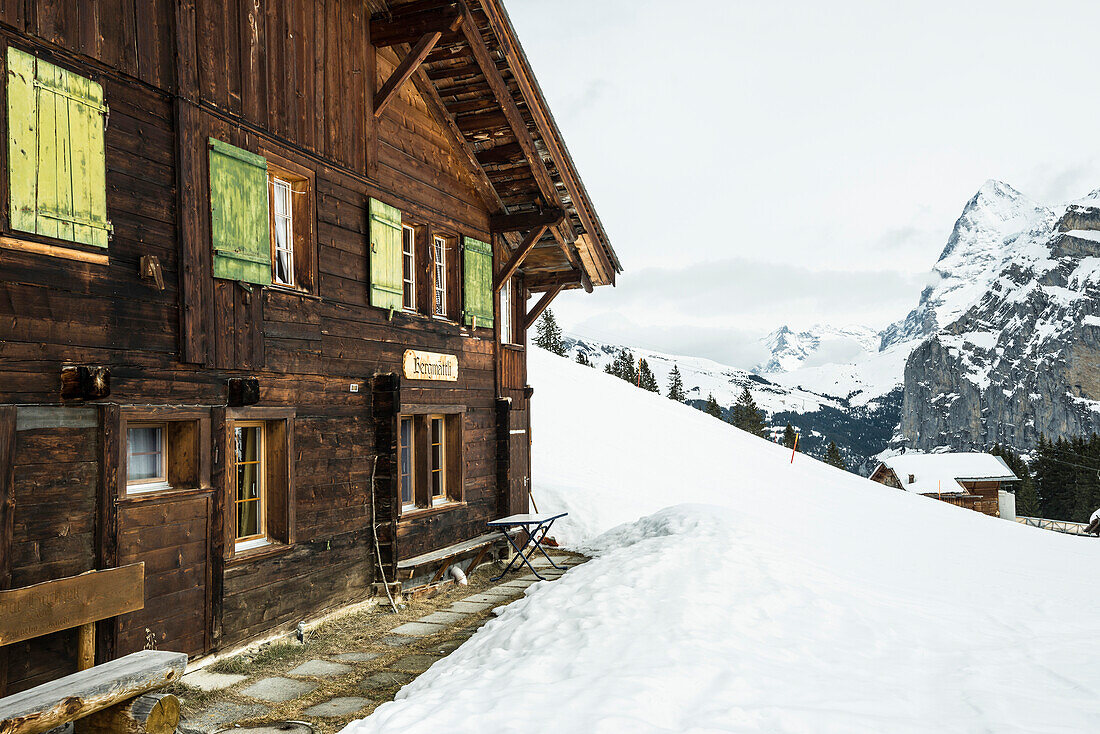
<point x="733" y="591"/>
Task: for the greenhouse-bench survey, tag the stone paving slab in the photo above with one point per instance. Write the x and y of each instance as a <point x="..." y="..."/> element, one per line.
<point x="385" y="679"/>
<point x="397" y="640"/>
<point x="321" y="669"/>
<point x="340" y="706"/>
<point x="492" y="595"/>
<point x="444" y="617"/>
<point x="470" y="607"/>
<point x="418" y="629"/>
<point x="278" y="690"/>
<point x="223" y="712"/>
<point x="355" y="657"/>
<point x="206" y="680"/>
<point x="414" y="663"/>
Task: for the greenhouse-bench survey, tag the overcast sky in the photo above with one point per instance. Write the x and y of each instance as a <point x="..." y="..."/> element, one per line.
<point x="766" y="163"/>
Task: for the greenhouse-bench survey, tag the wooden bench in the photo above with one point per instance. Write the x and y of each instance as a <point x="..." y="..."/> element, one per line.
<point x="111" y="698"/>
<point x="110" y="695"/>
<point x="443" y="558"/>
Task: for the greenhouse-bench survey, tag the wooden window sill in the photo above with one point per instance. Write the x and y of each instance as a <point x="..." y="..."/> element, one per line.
<point x="273" y="548"/>
<point x="422" y="512"/>
<point x="168" y="494"/>
<point x="65" y="251"/>
<point x="291" y="291"/>
<point x="513" y="347"/>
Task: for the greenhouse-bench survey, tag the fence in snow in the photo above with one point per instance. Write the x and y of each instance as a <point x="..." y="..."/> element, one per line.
<point x="1058" y="526"/>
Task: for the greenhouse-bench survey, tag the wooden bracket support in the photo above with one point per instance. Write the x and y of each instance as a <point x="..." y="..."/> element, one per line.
<point x="541" y="306"/>
<point x="406" y="23"/>
<point x="405" y="70"/>
<point x="499" y="223"/>
<point x="518" y="256"/>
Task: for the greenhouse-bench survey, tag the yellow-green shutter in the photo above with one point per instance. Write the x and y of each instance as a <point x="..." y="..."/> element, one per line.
<point x="56" y="153"/>
<point x="239" y="224"/>
<point x="386" y="281"/>
<point x="477" y="268"/>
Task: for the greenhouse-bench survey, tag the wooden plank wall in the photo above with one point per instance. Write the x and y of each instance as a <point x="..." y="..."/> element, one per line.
<point x="304" y="349"/>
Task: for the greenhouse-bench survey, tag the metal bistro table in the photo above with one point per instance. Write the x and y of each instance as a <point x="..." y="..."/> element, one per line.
<point x="532" y="525"/>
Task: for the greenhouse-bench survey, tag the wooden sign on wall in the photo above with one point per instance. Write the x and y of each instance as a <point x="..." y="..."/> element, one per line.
<point x="430" y="366"/>
<point x="52" y="606"/>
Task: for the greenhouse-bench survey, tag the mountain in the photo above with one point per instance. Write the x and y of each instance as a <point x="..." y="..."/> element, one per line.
<point x="1016" y="353"/>
<point x="990" y="233"/>
<point x="859" y="414"/>
<point x="821" y="344"/>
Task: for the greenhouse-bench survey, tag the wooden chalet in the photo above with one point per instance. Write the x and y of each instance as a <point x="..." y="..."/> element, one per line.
<point x="972" y="480"/>
<point x="266" y="275"/>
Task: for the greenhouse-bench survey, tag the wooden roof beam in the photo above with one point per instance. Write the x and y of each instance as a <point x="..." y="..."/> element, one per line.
<point x="517" y="222"/>
<point x="541" y="306"/>
<point x="546" y="281"/>
<point x="410" y="22"/>
<point x="518" y="256"/>
<point x="404" y="70"/>
<point x="515" y="120"/>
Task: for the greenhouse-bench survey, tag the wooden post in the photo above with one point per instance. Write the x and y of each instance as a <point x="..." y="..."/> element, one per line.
<point x="85" y="646"/>
<point x="7" y="514"/>
<point x="153" y="713"/>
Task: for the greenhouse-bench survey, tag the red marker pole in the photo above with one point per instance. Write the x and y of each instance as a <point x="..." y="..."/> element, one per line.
<point x="794" y="448"/>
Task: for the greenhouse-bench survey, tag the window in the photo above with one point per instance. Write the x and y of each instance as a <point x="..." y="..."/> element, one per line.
<point x="248" y="500"/>
<point x="290" y="207"/>
<point x="259" y="479"/>
<point x="164" y="449"/>
<point x="56" y="153"/>
<point x="506" y="312"/>
<point x="406" y="461"/>
<point x="146" y="458"/>
<point x="439" y="252"/>
<point x="429" y="460"/>
<point x="408" y="266"/>
<point x="439" y="459"/>
<point x="282" y="232"/>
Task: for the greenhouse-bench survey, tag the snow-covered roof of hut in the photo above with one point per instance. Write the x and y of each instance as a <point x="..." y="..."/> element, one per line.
<point x="939" y="473"/>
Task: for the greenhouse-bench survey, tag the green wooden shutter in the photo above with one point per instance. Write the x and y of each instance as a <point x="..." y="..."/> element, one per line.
<point x="386" y="281"/>
<point x="56" y="153"/>
<point x="238" y="214"/>
<point x="478" y="281"/>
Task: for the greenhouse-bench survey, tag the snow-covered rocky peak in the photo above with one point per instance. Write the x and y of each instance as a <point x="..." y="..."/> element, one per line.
<point x="992" y="230"/>
<point x="820" y="344"/>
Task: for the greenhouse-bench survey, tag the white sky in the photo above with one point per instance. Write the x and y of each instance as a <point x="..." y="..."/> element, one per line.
<point x="761" y="163"/>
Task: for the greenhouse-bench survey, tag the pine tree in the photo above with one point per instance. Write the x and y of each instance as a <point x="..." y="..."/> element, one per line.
<point x="582" y="358"/>
<point x="789" y="437"/>
<point x="623" y="367"/>
<point x="676" y="385"/>
<point x="646" y="380"/>
<point x="833" y="457"/>
<point x="549" y="334"/>
<point x="713" y="408"/>
<point x="745" y="415"/>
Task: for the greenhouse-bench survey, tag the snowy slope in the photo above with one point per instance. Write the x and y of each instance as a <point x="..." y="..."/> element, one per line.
<point x="819" y="345"/>
<point x="788" y="598"/>
<point x="703" y="377"/>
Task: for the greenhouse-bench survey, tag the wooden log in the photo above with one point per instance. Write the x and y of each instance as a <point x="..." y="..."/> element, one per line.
<point x="81" y="694"/>
<point x="526" y="220"/>
<point x="152" y="713"/>
<point x="404" y="70"/>
<point x="409" y="22"/>
<point x="85" y="646"/>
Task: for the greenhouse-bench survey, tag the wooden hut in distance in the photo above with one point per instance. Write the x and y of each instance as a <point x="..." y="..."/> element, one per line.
<point x="266" y="276"/>
<point x="972" y="480"/>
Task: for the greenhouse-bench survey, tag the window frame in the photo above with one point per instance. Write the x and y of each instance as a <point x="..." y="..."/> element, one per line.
<point x="454" y="469"/>
<point x="507" y="311"/>
<point x="259" y="539"/>
<point x="408" y="278"/>
<point x="186" y="443"/>
<point x="278" y="521"/>
<point x="435" y="499"/>
<point x="159" y="482"/>
<point x="277" y="182"/>
<point x="439" y="306"/>
<point x="303" y="216"/>
<point x="409" y="506"/>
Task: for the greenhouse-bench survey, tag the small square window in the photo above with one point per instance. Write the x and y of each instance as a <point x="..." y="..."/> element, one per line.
<point x="429" y="460"/>
<point x="248" y="500"/>
<point x="146" y="458"/>
<point x="439" y="459"/>
<point x="260" y="482"/>
<point x="290" y="218"/>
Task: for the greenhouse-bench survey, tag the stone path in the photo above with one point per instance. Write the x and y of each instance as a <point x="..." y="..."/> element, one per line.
<point x="353" y="665"/>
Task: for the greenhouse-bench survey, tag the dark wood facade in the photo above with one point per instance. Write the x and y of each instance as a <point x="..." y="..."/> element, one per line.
<point x="465" y="148"/>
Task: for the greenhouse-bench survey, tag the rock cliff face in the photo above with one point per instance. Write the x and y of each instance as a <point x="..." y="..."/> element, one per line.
<point x="1011" y="335"/>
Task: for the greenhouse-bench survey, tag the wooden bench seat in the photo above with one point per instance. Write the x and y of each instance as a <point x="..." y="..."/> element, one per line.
<point x="81" y="694"/>
<point x="443" y="558"/>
